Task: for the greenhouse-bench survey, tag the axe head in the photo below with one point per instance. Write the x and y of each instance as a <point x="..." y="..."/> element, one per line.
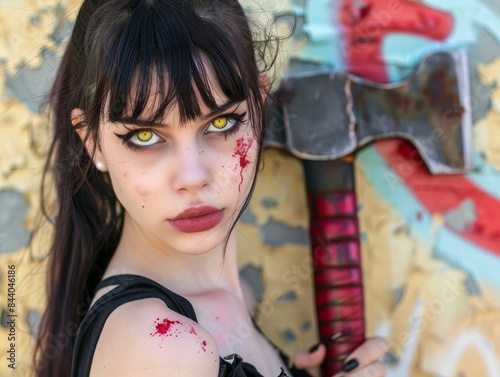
<point x="328" y="115"/>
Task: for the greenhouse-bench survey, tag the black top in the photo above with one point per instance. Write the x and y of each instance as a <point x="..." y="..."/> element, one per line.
<point x="131" y="288"/>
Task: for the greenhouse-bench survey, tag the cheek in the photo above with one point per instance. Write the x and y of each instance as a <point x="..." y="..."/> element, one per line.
<point x="131" y="189"/>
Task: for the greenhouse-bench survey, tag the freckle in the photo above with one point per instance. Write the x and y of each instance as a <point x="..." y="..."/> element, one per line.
<point x="142" y="206"/>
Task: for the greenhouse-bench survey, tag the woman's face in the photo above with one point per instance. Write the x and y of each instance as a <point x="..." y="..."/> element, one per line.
<point x="182" y="184"/>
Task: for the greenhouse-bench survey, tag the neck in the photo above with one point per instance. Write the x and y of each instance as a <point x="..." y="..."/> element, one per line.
<point x="185" y="274"/>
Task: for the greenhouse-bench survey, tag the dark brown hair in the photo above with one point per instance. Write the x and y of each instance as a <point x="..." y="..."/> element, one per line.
<point x="117" y="45"/>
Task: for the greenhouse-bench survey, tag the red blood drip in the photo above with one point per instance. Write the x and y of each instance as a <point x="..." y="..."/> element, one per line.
<point x="164" y="326"/>
<point x="241" y="150"/>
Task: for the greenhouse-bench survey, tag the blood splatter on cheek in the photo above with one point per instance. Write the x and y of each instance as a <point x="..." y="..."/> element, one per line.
<point x="241" y="151"/>
<point x="167" y="327"/>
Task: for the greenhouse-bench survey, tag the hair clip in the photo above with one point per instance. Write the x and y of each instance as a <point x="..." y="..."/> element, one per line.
<point x="77" y="121"/>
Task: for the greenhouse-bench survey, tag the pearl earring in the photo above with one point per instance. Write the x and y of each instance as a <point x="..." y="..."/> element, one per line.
<point x="101" y="166"/>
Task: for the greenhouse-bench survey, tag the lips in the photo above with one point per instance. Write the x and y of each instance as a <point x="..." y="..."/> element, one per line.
<point x="197" y="219"/>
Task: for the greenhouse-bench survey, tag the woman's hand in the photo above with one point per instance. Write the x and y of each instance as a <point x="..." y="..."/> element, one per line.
<point x="365" y="360"/>
<point x="311" y="359"/>
<point x="362" y="362"/>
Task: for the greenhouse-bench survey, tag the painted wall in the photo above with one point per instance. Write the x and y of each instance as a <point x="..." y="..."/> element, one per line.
<point x="430" y="244"/>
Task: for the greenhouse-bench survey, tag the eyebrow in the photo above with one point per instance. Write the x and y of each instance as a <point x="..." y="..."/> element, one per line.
<point x="218" y="110"/>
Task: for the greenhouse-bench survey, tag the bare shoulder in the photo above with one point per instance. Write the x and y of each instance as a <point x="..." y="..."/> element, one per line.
<point x="145" y="337"/>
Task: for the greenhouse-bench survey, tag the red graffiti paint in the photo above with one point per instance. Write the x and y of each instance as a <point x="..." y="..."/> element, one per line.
<point x="366" y="23"/>
<point x="241" y="151"/>
<point x="443" y="193"/>
<point x="164" y="326"/>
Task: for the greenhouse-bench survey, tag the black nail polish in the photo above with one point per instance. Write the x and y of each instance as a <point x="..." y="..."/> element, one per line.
<point x="350" y="365"/>
<point x="314" y="348"/>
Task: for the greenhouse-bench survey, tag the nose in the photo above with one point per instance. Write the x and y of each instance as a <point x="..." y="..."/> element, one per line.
<point x="192" y="170"/>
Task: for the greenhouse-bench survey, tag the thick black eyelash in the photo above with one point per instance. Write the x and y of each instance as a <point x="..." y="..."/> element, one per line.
<point x="129" y="135"/>
<point x="238" y="118"/>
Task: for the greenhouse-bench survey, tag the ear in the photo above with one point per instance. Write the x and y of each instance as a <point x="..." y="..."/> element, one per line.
<point x="81" y="128"/>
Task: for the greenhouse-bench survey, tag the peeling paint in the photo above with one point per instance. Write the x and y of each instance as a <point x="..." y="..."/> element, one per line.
<point x="471" y="285"/>
<point x="275" y="234"/>
<point x="269" y="202"/>
<point x="289" y="296"/>
<point x="306" y="326"/>
<point x="30" y="84"/>
<point x="4" y="319"/>
<point x="289" y="335"/>
<point x="33" y="318"/>
<point x="248" y="217"/>
<point x="398" y="296"/>
<point x="13" y="234"/>
<point x="253" y="275"/>
<point x="459" y="219"/>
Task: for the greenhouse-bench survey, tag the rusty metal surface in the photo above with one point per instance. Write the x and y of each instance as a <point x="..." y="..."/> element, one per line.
<point x="328" y="115"/>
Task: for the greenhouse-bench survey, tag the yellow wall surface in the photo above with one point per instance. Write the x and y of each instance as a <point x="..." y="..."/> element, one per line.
<point x="437" y="324"/>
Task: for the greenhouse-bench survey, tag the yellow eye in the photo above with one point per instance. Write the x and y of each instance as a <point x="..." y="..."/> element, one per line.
<point x="144" y="138"/>
<point x="220" y="122"/>
<point x="145" y="135"/>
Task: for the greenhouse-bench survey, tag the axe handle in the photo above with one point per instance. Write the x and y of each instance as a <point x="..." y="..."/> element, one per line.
<point x="338" y="278"/>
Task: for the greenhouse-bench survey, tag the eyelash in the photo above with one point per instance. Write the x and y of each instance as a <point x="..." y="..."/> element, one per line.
<point x="238" y="118"/>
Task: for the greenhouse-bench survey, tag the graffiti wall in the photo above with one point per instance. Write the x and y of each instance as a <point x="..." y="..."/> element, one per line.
<point x="429" y="243"/>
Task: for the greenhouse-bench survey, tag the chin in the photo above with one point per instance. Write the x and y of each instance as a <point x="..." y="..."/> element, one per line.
<point x="202" y="242"/>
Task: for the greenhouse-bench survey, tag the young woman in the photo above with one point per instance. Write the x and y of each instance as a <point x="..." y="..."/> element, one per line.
<point x="158" y="110"/>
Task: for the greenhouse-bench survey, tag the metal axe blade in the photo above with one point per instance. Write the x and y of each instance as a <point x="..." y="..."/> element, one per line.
<point x="328" y="115"/>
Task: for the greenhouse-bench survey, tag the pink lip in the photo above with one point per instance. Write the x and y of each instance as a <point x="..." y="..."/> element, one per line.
<point x="197" y="219"/>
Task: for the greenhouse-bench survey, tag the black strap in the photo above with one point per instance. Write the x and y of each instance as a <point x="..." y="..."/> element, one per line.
<point x="129" y="288"/>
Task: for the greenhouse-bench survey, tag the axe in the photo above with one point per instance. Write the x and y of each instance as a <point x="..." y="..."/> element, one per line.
<point x="323" y="118"/>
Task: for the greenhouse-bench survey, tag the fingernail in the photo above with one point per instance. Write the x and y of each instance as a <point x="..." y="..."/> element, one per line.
<point x="314" y="348"/>
<point x="350" y="365"/>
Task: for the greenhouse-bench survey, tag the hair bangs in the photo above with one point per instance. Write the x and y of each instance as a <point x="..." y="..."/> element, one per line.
<point x="151" y="67"/>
